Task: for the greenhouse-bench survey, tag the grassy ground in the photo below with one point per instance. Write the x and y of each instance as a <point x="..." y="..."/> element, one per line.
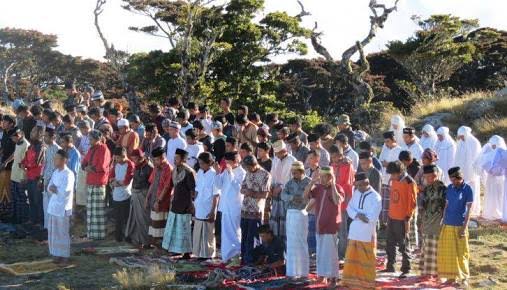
<point x="488" y="265"/>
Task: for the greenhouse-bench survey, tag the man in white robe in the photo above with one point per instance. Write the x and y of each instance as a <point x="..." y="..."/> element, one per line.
<point x="175" y="142"/>
<point x="411" y="143"/>
<point x="428" y="137"/>
<point x="229" y="184"/>
<point x="281" y="174"/>
<point x="494" y="185"/>
<point x="390" y="153"/>
<point x="61" y="194"/>
<point x="467" y="152"/>
<point x="446" y="151"/>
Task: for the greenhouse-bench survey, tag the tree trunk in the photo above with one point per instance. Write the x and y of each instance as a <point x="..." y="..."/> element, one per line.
<point x="6" y="82"/>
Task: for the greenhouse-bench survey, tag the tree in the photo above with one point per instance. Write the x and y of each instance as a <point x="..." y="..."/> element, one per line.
<point x="215" y="50"/>
<point x="437" y="51"/>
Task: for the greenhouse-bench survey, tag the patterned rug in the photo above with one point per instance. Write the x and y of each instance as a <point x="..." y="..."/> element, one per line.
<point x="33" y="268"/>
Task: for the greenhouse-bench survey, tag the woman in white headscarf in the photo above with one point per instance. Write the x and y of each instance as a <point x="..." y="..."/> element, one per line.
<point x="429" y="137"/>
<point x="397" y="125"/>
<point x="467" y="152"/>
<point x="446" y="151"/>
<point x="494" y="185"/>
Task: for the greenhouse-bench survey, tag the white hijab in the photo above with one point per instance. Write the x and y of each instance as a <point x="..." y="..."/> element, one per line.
<point x="467" y="152"/>
<point x="485" y="160"/>
<point x="398" y="122"/>
<point x="431" y="140"/>
<point x="446" y="151"/>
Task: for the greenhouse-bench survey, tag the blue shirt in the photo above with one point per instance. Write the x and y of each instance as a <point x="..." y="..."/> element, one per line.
<point x="74" y="160"/>
<point x="457" y="199"/>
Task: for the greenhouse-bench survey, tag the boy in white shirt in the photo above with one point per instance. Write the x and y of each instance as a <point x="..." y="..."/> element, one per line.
<point x="205" y="203"/>
<point x="194" y="148"/>
<point x="61" y="191"/>
<point x="120" y="180"/>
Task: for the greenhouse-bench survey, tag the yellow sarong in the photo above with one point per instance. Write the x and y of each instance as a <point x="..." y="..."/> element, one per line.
<point x="453" y="254"/>
<point x="359" y="271"/>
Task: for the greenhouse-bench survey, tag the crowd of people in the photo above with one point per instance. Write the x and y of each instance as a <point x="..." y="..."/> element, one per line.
<point x="244" y="188"/>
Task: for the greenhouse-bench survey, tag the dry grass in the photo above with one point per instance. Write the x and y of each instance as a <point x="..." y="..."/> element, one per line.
<point x="138" y="279"/>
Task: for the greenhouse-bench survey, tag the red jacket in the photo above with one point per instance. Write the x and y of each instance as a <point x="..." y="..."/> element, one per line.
<point x="33" y="162"/>
<point x="345" y="179"/>
<point x="128" y="176"/>
<point x="165" y="184"/>
<point x="99" y="158"/>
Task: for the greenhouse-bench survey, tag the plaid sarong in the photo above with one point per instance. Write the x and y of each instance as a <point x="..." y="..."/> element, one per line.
<point x="453" y="254"/>
<point x="429" y="255"/>
<point x="19" y="200"/>
<point x="359" y="271"/>
<point x="95" y="212"/>
<point x="413" y="235"/>
<point x="384" y="214"/>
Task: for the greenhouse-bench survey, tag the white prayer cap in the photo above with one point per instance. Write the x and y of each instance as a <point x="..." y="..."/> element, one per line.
<point x="123" y="123"/>
<point x="428" y="129"/>
<point x="464" y="131"/>
<point x="443" y="131"/>
<point x="279" y="146"/>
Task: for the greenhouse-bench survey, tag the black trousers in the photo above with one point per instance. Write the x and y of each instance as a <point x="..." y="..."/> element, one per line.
<point x="121" y="210"/>
<point x="218" y="229"/>
<point x="397" y="237"/>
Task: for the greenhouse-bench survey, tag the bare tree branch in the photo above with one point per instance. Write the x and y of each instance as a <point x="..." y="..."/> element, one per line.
<point x="96" y="12"/>
<point x="303" y="12"/>
<point x="319" y="48"/>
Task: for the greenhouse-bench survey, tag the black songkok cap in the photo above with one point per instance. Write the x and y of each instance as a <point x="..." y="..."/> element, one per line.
<point x="361" y="176"/>
<point x="157" y="152"/>
<point x="388" y="135"/>
<point x="182" y="153"/>
<point x="365" y="155"/>
<point x="409" y="131"/>
<point x="455" y="172"/>
<point x="231" y="156"/>
<point x="313" y="137"/>
<point x="430" y="169"/>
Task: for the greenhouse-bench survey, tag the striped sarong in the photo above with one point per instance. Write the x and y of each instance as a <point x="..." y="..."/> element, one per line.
<point x="158" y="222"/>
<point x="413" y="235"/>
<point x="178" y="234"/>
<point x="58" y="236"/>
<point x="81" y="188"/>
<point x="203" y="241"/>
<point x="327" y="256"/>
<point x="298" y="260"/>
<point x="95" y="212"/>
<point x="429" y="255"/>
<point x="453" y="254"/>
<point x="384" y="214"/>
<point x="277" y="217"/>
<point x="359" y="271"/>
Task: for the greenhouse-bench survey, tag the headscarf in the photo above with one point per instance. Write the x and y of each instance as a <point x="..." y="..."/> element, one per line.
<point x="431" y="140"/>
<point x="485" y="160"/>
<point x="467" y="151"/>
<point x="398" y="132"/>
<point x="430" y="154"/>
<point x="446" y="151"/>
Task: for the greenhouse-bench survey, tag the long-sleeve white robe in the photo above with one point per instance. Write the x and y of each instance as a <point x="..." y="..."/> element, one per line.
<point x="368" y="203"/>
<point x="389" y="155"/>
<point x="446" y="151"/>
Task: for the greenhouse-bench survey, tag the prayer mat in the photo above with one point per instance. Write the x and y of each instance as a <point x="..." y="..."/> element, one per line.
<point x="163" y="262"/>
<point x="33" y="268"/>
<point x="114" y="250"/>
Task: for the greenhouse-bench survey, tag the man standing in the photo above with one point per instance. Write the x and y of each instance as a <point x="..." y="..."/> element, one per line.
<point x="159" y="194"/>
<point x="433" y="204"/>
<point x="178" y="234"/>
<point x="96" y="165"/>
<point x="326" y="198"/>
<point x="343" y="142"/>
<point x="206" y="201"/>
<point x="61" y="191"/>
<point x="298" y="149"/>
<point x="8" y="146"/>
<point x="366" y="166"/>
<point x="412" y="143"/>
<point x="247" y="131"/>
<point x="390" y="153"/>
<point x="344" y="127"/>
<point x="298" y="260"/>
<point x="255" y="189"/>
<point x="401" y="211"/>
<point x="316" y="145"/>
<point x="360" y="261"/>
<point x="280" y="174"/>
<point x="175" y="141"/>
<point x="296" y="128"/>
<point x="18" y="176"/>
<point x="453" y="249"/>
<point x="229" y="183"/>
<point x="49" y="166"/>
<point x="128" y="138"/>
<point x="120" y="178"/>
<point x="139" y="216"/>
<point x="412" y="167"/>
<point x="467" y="152"/>
<point x="152" y="139"/>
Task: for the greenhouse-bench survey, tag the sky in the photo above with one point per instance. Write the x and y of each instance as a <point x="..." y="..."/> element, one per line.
<point x="342" y="22"/>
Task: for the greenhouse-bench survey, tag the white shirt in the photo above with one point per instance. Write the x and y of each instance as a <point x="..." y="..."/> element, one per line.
<point x="388" y="155"/>
<point x="193" y="152"/>
<point x="60" y="203"/>
<point x="415" y="149"/>
<point x="281" y="170"/>
<point x="368" y="203"/>
<point x="229" y="186"/>
<point x="204" y="188"/>
<point x="352" y="155"/>
<point x="183" y="130"/>
<point x="121" y="193"/>
<point x="172" y="145"/>
<point x="208" y="125"/>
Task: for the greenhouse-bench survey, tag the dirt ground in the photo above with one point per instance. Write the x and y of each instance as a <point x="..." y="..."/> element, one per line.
<point x="488" y="263"/>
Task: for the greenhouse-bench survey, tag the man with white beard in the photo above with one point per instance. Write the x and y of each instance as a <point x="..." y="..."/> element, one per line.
<point x="446" y="151"/>
<point x="467" y="152"/>
<point x="494" y="185"/>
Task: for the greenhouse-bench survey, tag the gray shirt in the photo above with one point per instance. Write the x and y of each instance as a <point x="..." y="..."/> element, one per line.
<point x="301" y="153"/>
<point x="374" y="176"/>
<point x="295" y="188"/>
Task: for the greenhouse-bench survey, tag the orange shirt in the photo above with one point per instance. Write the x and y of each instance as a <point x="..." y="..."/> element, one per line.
<point x="402" y="200"/>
